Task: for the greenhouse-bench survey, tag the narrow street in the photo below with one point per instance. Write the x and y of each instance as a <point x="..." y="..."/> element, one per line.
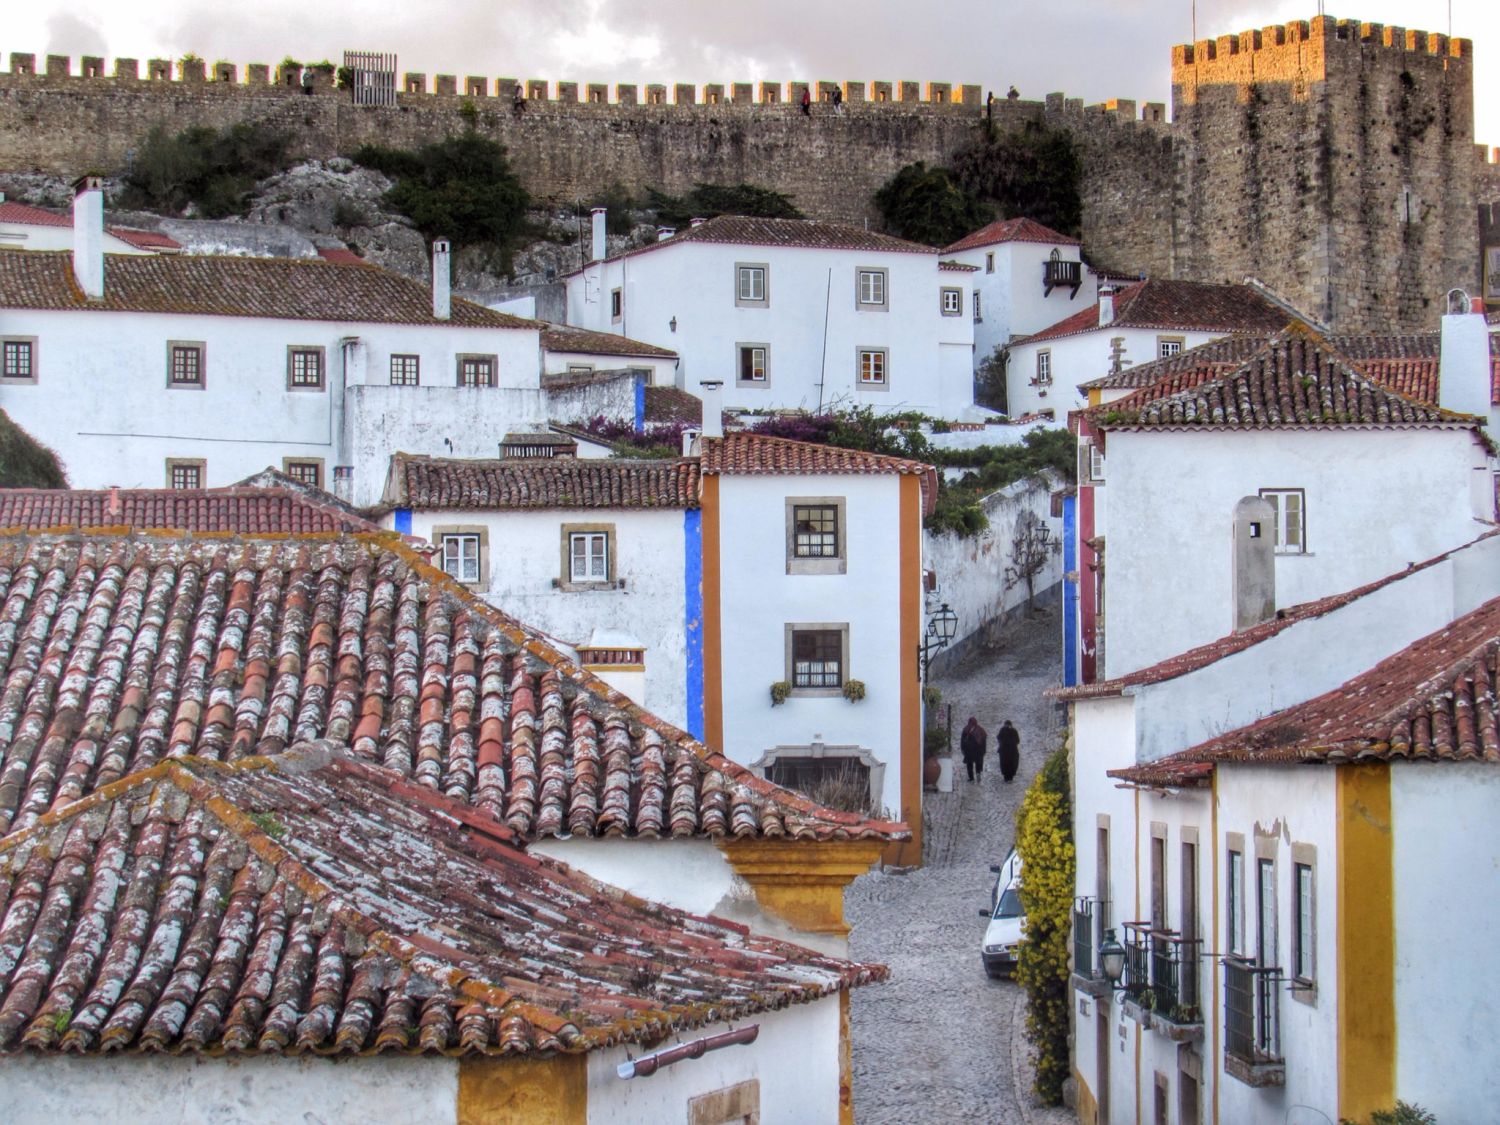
<point x="941" y="1042"/>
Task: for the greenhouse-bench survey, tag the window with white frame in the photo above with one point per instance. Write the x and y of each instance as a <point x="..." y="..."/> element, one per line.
<point x="18" y="360"/>
<point x="870" y="287"/>
<point x="1235" y="900"/>
<point x="406" y="370"/>
<point x="752" y="362"/>
<point x="1168" y="345"/>
<point x="1044" y="368"/>
<point x="1289" y="508"/>
<point x="588" y="554"/>
<point x="1096" y="464"/>
<point x="185" y="364"/>
<point x="750" y="288"/>
<point x="872" y="367"/>
<point x="461" y="556"/>
<point x="952" y="301"/>
<point x="1304" y="965"/>
<point x="1265" y="912"/>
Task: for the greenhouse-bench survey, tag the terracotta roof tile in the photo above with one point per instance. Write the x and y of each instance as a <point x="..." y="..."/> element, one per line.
<point x="430" y="483"/>
<point x="1180" y="306"/>
<point x="23" y="215"/>
<point x="670" y="404"/>
<point x="242" y="509"/>
<point x="1434" y="700"/>
<point x="340" y="256"/>
<point x="758" y="455"/>
<point x="1010" y="230"/>
<point x="119" y="652"/>
<point x="564" y="338"/>
<point x="285" y="288"/>
<point x="317" y="905"/>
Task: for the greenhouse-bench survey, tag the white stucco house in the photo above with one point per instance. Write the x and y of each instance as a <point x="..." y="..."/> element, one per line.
<point x="791" y="313"/>
<point x="23" y="227"/>
<point x="1295" y="425"/>
<point x="217" y="366"/>
<point x="577" y="351"/>
<point x="1266" y="827"/>
<point x="1024" y="276"/>
<point x="1142" y="321"/>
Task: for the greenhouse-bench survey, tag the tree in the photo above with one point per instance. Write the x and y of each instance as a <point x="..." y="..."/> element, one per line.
<point x="706" y="201"/>
<point x="213" y="170"/>
<point x="989" y="379"/>
<point x="1033" y="172"/>
<point x="926" y="205"/>
<point x="24" y="461"/>
<point x="1031" y="546"/>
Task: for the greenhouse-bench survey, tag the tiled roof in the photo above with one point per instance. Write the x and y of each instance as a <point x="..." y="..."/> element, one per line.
<point x="23" y="215"/>
<point x="119" y="652"/>
<point x="340" y="256"/>
<point x="562" y="338"/>
<point x="957" y="267"/>
<point x="240" y="509"/>
<point x="433" y="483"/>
<point x="1010" y="230"/>
<point x="1434" y="700"/>
<point x="756" y="455"/>
<point x="1295" y="380"/>
<point x="313" y="905"/>
<point x="1179" y="306"/>
<point x="1188" y="367"/>
<point x="285" y="288"/>
<point x="670" y="404"/>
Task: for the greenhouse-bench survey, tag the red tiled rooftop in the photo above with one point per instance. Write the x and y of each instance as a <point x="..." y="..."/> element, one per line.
<point x="1434" y="700"/>
<point x="316" y="905"/>
<point x="1010" y="230"/>
<point x="431" y="483"/>
<point x="23" y="215"/>
<point x="243" y="510"/>
<point x="580" y="341"/>
<point x="134" y="650"/>
<point x="340" y="256"/>
<point x="1180" y="306"/>
<point x="756" y="455"/>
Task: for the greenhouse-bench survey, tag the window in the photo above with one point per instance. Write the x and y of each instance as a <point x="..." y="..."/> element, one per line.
<point x="815" y="535"/>
<point x="589" y="557"/>
<point x="1158" y="877"/>
<point x="184" y="364"/>
<point x="1289" y="507"/>
<point x="1303" y="965"/>
<point x="406" y="370"/>
<point x="18" y="360"/>
<point x="752" y="364"/>
<point x="818" y="656"/>
<point x="989" y="264"/>
<point x="952" y="301"/>
<point x="476" y="371"/>
<point x="750" y="290"/>
<point x="1235" y="905"/>
<point x="872" y="367"/>
<point x="1044" y="368"/>
<point x="869" y="288"/>
<point x="464" y="553"/>
<point x="977" y="315"/>
<point x="616" y="304"/>
<point x="304" y="368"/>
<point x="1265" y="912"/>
<point x="1189" y="884"/>
<point x="806" y="774"/>
<point x="1168" y="345"/>
<point x="304" y="470"/>
<point x="580" y="369"/>
<point x="185" y="473"/>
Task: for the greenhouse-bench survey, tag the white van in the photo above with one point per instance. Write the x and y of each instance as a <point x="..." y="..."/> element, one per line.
<point x="1002" y="937"/>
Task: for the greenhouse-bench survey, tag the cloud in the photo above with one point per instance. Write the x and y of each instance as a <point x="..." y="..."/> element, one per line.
<point x="69" y="35"/>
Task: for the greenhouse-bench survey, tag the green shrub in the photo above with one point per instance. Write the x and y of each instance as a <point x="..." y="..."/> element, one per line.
<point x="214" y="170"/>
<point x="708" y="200"/>
<point x="1032" y="172"/>
<point x="24" y="461"/>
<point x="925" y="205"/>
<point x="1404" y="1114"/>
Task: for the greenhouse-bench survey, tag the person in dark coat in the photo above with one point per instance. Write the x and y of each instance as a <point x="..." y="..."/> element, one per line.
<point x="1009" y="740"/>
<point x="806" y="101"/>
<point x="972" y="745"/>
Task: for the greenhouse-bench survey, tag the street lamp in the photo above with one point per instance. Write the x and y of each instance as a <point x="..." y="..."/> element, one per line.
<point x="941" y="628"/>
<point x="1112" y="959"/>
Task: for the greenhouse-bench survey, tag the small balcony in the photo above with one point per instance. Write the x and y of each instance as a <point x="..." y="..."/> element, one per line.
<point x="1057" y="273"/>
<point x="1089" y="917"/>
<point x="1162" y="980"/>
<point x="1252" y="1023"/>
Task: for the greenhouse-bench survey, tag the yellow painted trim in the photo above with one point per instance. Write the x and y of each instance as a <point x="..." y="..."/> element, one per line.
<point x="1216" y="857"/>
<point x="909" y="853"/>
<point x="1139" y="1093"/>
<point x="846" y="1063"/>
<point x="501" y="1091"/>
<point x="1366" y="941"/>
<point x="802" y="881"/>
<point x="713" y="630"/>
<point x="1095" y="396"/>
<point x="598" y="669"/>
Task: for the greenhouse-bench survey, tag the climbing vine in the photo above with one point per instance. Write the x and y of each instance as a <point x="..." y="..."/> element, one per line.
<point x="1044" y="838"/>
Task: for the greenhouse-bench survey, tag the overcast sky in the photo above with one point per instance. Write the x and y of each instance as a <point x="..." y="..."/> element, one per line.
<point x="1082" y="47"/>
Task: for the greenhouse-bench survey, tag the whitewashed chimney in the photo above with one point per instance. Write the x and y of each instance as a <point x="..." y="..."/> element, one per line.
<point x="599" y="247"/>
<point x="1106" y="306"/>
<point x="1464" y="366"/>
<point x="664" y="233"/>
<point x="713" y="408"/>
<point x="697" y="221"/>
<point x="88" y="236"/>
<point x="442" y="280"/>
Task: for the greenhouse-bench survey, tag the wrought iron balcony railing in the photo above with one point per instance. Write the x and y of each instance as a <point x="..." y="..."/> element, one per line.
<point x="1252" y="1020"/>
<point x="1089" y="918"/>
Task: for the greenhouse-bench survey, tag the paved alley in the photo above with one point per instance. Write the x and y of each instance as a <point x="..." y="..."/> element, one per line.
<point x="941" y="1042"/>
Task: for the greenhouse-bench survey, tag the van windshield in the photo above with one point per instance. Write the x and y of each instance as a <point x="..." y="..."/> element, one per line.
<point x="1009" y="905"/>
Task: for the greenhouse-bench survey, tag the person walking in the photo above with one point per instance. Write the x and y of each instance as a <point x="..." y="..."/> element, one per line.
<point x="838" y="101"/>
<point x="807" y="101"/>
<point x="971" y="745"/>
<point x="1008" y="741"/>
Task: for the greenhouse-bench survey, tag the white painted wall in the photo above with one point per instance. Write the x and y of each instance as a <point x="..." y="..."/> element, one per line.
<point x="1169" y="585"/>
<point x="662" y="371"/>
<point x="1077" y="359"/>
<point x="759" y="599"/>
<point x="26" y="236"/>
<point x="526" y="559"/>
<point x="811" y="324"/>
<point x="1447" y="860"/>
<point x="1012" y="299"/>
<point x="795" y="1059"/>
<point x="154" y="1089"/>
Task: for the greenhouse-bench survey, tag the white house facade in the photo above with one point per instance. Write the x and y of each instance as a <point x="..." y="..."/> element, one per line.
<point x="792" y="314"/>
<point x="23" y="227"/>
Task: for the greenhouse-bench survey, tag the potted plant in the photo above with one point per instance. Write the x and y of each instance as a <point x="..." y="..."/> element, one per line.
<point x="854" y="690"/>
<point x="932" y="695"/>
<point x="935" y="757"/>
<point x="780" y="689"/>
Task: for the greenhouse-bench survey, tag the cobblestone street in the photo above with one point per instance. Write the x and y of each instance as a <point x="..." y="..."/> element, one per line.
<point x="941" y="1042"/>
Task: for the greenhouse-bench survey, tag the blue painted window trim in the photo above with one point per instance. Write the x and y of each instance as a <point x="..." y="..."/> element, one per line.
<point x="692" y="583"/>
<point x="640" y="404"/>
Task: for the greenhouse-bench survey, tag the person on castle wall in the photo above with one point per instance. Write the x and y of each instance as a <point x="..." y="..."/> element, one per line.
<point x="838" y="101"/>
<point x="1008" y="741"/>
<point x="1012" y="94"/>
<point x="518" y="102"/>
<point x="807" y="101"/>
<point x="971" y="744"/>
<point x="989" y="106"/>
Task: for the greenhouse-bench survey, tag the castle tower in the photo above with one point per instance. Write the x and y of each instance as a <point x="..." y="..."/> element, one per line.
<point x="1332" y="160"/>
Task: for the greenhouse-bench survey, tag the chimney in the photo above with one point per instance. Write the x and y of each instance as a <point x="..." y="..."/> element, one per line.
<point x="343" y="483"/>
<point x="696" y="221"/>
<point x="1254" y="562"/>
<point x="114" y="501"/>
<point x="1106" y="305"/>
<point x="664" y="233"/>
<point x="599" y="249"/>
<point x="1464" y="365"/>
<point x="442" y="280"/>
<point x="713" y="408"/>
<point x="88" y="236"/>
<point x="690" y="442"/>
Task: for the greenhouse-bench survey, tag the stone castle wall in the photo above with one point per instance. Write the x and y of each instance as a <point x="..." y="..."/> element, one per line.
<point x="1330" y="159"/>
